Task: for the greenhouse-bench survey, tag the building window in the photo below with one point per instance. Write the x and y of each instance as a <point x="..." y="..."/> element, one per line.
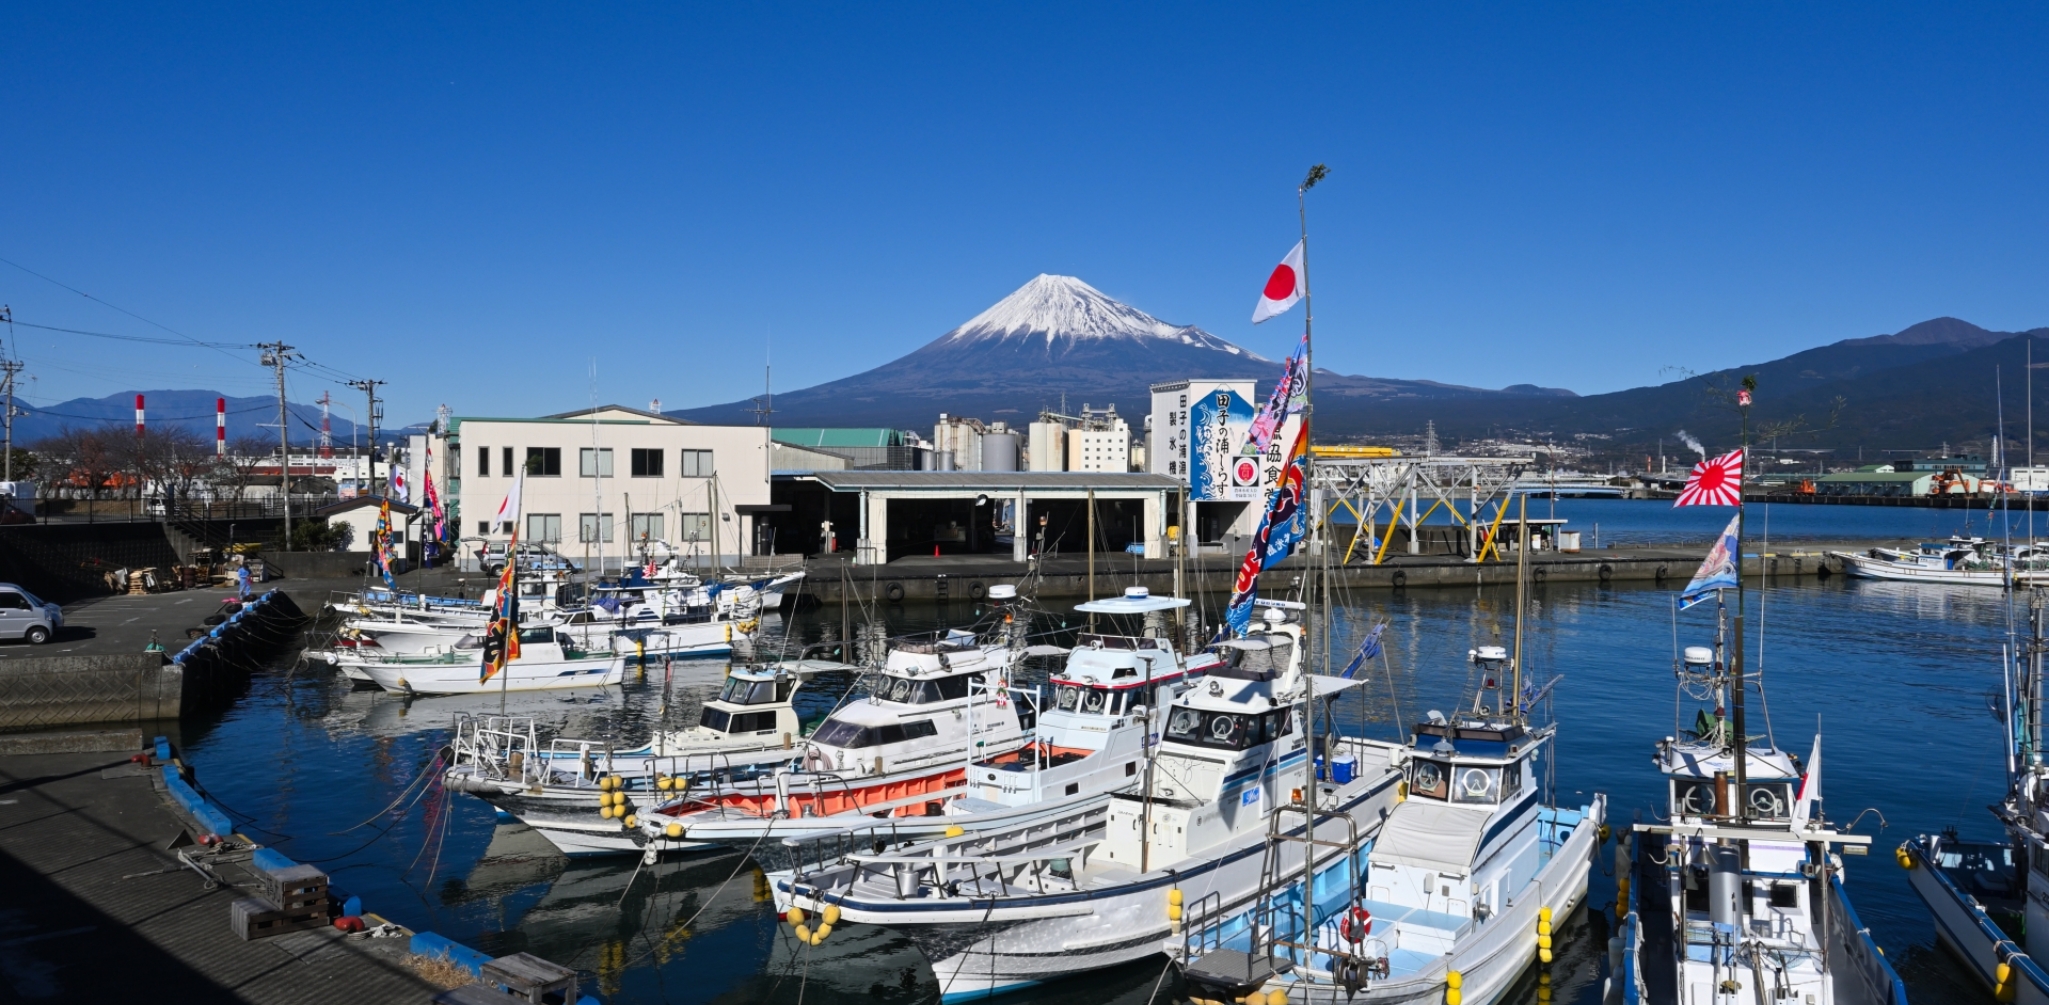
<point x="544" y="462"/>
<point x="696" y="526"/>
<point x="483" y="462"/>
<point x="506" y="468"/>
<point x="544" y="528"/>
<point x="647" y="526"/>
<point x="593" y="529"/>
<point x="594" y="462"/>
<point x="647" y="463"/>
<point x="483" y="527"/>
<point x="697" y="464"/>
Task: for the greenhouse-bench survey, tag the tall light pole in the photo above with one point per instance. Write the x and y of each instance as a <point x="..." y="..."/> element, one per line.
<point x="276" y="355"/>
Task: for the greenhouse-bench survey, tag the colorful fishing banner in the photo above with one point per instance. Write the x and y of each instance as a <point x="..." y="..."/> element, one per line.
<point x="501" y="637"/>
<point x="1718" y="571"/>
<point x="1368" y="649"/>
<point x="380" y="543"/>
<point x="437" y="517"/>
<point x="1284" y="524"/>
<point x="1287" y="398"/>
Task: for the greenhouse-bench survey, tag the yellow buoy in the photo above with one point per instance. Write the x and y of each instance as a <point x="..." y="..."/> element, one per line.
<point x="794" y="916"/>
<point x="1544" y="916"/>
<point x="1173" y="912"/>
<point x="1401" y="792"/>
<point x="1174" y="895"/>
<point x="632" y="821"/>
<point x="1605" y="832"/>
<point x="1905" y="858"/>
<point x="662" y="783"/>
<point x="605" y="811"/>
<point x="1278" y="996"/>
<point x="1453" y="997"/>
<point x="831" y="914"/>
<point x="818" y="937"/>
<point x="1544" y="954"/>
<point x="1454" y="980"/>
<point x="803" y="933"/>
<point x="954" y="831"/>
<point x="823" y="931"/>
<point x="673" y="830"/>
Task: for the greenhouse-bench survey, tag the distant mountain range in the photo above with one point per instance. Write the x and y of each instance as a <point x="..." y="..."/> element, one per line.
<point x="191" y="410"/>
<point x="1054" y="336"/>
<point x="1918" y="388"/>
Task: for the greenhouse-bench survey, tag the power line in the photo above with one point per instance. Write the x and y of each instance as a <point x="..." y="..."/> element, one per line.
<point x="135" y="338"/>
<point x="123" y="310"/>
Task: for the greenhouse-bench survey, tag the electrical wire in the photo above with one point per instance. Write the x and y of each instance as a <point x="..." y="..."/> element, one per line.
<point x="135" y="338"/>
<point x="123" y="310"/>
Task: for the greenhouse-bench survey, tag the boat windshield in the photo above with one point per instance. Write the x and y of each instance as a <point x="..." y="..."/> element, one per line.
<point x="743" y="691"/>
<point x="1227" y="730"/>
<point x="885" y="687"/>
<point x="721" y="721"/>
<point x="835" y="733"/>
<point x="1075" y="698"/>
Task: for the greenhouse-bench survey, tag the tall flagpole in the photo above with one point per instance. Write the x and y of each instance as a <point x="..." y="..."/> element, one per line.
<point x="1316" y="174"/>
<point x="1742" y="738"/>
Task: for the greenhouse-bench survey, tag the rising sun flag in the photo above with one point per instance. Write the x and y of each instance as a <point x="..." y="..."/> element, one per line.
<point x="1717" y="481"/>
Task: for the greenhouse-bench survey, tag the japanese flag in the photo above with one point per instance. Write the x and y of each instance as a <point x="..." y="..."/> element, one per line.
<point x="1283" y="288"/>
<point x="508" y="511"/>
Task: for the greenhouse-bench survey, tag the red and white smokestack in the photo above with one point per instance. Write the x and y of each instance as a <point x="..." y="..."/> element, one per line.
<point x="138" y="416"/>
<point x="220" y="427"/>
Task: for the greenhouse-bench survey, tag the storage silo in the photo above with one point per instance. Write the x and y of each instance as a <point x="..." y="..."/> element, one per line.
<point x="999" y="451"/>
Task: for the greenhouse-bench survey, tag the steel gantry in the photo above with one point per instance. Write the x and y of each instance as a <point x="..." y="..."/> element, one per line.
<point x="1407" y="491"/>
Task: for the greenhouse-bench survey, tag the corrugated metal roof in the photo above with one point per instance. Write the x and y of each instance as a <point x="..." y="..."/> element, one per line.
<point x="851" y="437"/>
<point x="1877" y="476"/>
<point x="977" y="481"/>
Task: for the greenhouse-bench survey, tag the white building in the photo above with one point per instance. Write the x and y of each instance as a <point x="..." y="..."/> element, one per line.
<point x="1048" y="445"/>
<point x="1105" y="450"/>
<point x="598" y="480"/>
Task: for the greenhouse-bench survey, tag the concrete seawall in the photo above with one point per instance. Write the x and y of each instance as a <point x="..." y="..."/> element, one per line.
<point x="43" y="692"/>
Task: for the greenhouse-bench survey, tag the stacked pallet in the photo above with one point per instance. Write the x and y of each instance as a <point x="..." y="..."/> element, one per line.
<point x="295" y="899"/>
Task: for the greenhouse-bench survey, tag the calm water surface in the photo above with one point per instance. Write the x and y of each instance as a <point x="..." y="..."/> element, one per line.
<point x="1896" y="677"/>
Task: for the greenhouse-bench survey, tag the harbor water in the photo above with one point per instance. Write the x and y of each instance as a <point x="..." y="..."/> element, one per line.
<point x="1900" y="679"/>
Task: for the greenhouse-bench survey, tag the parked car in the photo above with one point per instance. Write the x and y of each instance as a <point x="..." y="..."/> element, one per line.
<point x="23" y="615"/>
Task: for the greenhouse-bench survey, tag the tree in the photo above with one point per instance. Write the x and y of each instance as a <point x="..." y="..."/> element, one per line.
<point x="88" y="459"/>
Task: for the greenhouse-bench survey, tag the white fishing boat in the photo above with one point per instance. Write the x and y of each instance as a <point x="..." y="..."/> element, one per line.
<point x="1739" y="897"/>
<point x="582" y="795"/>
<point x="1092" y="738"/>
<point x="1970" y="561"/>
<point x="1985" y="897"/>
<point x="1004" y="908"/>
<point x="546" y="660"/>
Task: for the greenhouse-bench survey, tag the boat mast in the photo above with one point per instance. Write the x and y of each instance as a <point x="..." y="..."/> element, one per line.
<point x="1740" y="740"/>
<point x="1315" y="175"/>
<point x="1511" y="702"/>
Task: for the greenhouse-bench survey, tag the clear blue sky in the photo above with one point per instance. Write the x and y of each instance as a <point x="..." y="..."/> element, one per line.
<point x="475" y="202"/>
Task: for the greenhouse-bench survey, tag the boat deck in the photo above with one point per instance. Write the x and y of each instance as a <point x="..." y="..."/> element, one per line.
<point x="99" y="910"/>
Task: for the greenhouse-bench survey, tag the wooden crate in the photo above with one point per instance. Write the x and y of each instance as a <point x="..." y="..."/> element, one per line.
<point x="256" y="918"/>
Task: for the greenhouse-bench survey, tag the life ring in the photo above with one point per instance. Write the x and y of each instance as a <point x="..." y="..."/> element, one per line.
<point x="1400" y="579"/>
<point x="977" y="591"/>
<point x="1356" y="925"/>
<point x="895" y="592"/>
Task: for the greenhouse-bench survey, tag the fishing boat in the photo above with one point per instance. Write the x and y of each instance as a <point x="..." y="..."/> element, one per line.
<point x="1004" y="908"/>
<point x="1985" y="896"/>
<point x="1456" y="895"/>
<point x="581" y="794"/>
<point x="1971" y="561"/>
<point x="1091" y="739"/>
<point x="1739" y="897"/>
<point x="547" y="659"/>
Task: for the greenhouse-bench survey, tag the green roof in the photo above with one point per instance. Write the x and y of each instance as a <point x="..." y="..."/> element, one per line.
<point x="816" y="437"/>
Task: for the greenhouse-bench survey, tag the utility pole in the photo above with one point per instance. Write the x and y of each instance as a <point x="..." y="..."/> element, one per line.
<point x="369" y="389"/>
<point x="276" y="355"/>
<point x="8" y="368"/>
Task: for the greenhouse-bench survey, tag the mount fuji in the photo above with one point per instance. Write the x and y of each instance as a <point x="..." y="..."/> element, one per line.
<point x="1054" y="336"/>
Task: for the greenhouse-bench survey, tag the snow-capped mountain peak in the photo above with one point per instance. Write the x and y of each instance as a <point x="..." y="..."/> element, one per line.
<point x="1063" y="307"/>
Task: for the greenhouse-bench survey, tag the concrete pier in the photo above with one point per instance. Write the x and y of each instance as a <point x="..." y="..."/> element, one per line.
<point x="968" y="577"/>
<point x="99" y="908"/>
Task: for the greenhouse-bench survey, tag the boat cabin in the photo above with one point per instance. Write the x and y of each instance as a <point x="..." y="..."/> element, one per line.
<point x="753" y="705"/>
<point x="933" y="700"/>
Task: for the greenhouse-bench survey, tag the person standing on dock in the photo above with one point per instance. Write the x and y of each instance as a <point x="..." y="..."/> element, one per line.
<point x="242" y="579"/>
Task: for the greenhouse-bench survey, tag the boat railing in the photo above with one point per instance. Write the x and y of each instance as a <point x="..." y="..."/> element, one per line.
<point x="501" y="746"/>
<point x="1203" y="925"/>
